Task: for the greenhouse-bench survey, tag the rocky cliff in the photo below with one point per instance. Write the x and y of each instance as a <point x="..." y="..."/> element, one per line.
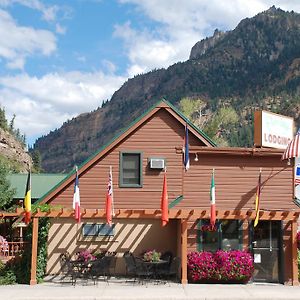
<point x="256" y="65"/>
<point x="14" y="152"/>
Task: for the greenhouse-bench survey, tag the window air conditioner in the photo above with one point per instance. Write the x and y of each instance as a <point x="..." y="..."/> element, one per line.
<point x="157" y="163"/>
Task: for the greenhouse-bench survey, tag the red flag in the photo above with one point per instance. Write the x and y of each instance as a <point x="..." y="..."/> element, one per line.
<point x="76" y="199"/>
<point x="109" y="209"/>
<point x="164" y="202"/>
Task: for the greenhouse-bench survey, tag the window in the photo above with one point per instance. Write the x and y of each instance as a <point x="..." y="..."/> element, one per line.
<point x="227" y="236"/>
<point x="130" y="169"/>
<point x="89" y="230"/>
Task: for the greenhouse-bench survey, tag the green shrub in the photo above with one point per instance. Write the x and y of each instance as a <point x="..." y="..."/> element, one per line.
<point x="7" y="276"/>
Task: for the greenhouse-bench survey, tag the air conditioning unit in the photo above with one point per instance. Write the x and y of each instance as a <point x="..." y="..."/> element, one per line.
<point x="156" y="163"/>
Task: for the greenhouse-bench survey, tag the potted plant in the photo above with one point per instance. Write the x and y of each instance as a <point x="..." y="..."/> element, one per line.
<point x="152" y="255"/>
<point x="85" y="256"/>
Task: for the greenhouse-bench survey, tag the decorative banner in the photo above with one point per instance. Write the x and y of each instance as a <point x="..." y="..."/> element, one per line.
<point x="297" y="178"/>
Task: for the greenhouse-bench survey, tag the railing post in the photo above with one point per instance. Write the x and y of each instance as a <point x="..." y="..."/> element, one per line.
<point x="184" y="251"/>
<point x="35" y="230"/>
<point x="295" y="280"/>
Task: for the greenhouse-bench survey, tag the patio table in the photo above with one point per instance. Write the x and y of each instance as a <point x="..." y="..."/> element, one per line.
<point x="154" y="266"/>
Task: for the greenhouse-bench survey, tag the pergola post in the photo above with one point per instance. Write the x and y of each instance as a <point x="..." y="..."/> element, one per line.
<point x="295" y="280"/>
<point x="35" y="230"/>
<point x="184" y="251"/>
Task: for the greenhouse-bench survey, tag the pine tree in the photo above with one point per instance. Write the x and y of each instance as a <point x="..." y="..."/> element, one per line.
<point x="6" y="193"/>
<point x="37" y="161"/>
<point x="3" y="121"/>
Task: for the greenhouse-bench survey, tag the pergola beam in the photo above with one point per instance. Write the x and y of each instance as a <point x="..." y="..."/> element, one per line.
<point x="182" y="213"/>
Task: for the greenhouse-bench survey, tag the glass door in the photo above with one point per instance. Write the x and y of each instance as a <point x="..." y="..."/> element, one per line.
<point x="267" y="248"/>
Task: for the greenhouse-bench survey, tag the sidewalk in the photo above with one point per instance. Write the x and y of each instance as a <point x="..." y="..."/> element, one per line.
<point x="131" y="291"/>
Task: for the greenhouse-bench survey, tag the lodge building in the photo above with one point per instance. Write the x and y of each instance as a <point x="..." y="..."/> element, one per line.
<point x="137" y="157"/>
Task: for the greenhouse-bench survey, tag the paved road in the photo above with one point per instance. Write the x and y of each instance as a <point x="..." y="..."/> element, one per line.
<point x="129" y="290"/>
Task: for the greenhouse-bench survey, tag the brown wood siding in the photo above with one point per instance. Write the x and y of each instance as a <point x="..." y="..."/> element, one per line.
<point x="158" y="137"/>
<point x="236" y="179"/>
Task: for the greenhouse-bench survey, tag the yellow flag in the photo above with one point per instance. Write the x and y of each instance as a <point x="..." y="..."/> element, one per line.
<point x="27" y="199"/>
<point x="257" y="198"/>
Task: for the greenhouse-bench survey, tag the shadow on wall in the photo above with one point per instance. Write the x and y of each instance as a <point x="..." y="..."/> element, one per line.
<point x="135" y="235"/>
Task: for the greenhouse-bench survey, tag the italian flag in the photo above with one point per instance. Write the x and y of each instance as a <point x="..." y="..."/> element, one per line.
<point x="213" y="200"/>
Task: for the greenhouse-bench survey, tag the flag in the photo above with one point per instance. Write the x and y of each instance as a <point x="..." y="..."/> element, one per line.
<point x="109" y="207"/>
<point x="257" y="199"/>
<point x="76" y="198"/>
<point x="27" y="199"/>
<point x="213" y="200"/>
<point x="186" y="157"/>
<point x="164" y="202"/>
<point x="293" y="148"/>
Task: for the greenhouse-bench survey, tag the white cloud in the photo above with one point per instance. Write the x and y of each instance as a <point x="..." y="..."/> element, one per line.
<point x="180" y="24"/>
<point x="42" y="104"/>
<point x="60" y="29"/>
<point x="49" y="12"/>
<point x="18" y="42"/>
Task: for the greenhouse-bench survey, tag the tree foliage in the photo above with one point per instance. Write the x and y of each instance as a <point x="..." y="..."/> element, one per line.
<point x="6" y="192"/>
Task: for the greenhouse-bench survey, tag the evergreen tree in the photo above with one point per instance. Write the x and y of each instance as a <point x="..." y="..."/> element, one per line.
<point x="6" y="193"/>
<point x="37" y="161"/>
<point x="3" y="121"/>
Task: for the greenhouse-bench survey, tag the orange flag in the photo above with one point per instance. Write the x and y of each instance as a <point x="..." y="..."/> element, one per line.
<point x="164" y="202"/>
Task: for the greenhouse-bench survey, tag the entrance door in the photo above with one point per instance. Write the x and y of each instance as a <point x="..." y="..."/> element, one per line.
<point x="267" y="249"/>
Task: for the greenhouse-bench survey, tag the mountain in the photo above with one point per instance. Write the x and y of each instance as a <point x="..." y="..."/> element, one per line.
<point x="256" y="65"/>
<point x="13" y="153"/>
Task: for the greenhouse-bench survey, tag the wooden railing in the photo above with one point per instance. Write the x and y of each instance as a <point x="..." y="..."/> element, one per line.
<point x="13" y="249"/>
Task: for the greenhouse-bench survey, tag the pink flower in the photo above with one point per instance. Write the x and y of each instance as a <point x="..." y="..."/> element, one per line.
<point x="233" y="265"/>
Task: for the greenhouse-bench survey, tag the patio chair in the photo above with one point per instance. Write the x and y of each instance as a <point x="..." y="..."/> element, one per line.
<point x="174" y="268"/>
<point x="68" y="269"/>
<point x="168" y="257"/>
<point x="143" y="271"/>
<point x="113" y="262"/>
<point x="130" y="264"/>
<point x="100" y="268"/>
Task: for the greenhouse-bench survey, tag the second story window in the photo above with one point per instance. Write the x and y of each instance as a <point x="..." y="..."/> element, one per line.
<point x="130" y="169"/>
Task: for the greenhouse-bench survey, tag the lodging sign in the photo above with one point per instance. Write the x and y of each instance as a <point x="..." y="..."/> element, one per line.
<point x="272" y="130"/>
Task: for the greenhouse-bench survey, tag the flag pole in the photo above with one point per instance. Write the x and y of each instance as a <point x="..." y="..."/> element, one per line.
<point x="112" y="193"/>
<point x="257" y="199"/>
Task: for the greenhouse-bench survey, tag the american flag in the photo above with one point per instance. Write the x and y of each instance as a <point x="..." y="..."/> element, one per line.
<point x="293" y="148"/>
<point x="297" y="175"/>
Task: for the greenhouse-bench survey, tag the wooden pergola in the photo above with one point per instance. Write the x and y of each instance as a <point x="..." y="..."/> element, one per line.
<point x="184" y="215"/>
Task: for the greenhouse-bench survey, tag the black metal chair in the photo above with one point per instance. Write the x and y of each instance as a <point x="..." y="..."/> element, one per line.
<point x="174" y="268"/>
<point x="169" y="270"/>
<point x="130" y="264"/>
<point x="68" y="269"/>
<point x="113" y="262"/>
<point x="167" y="256"/>
<point x="99" y="268"/>
<point x="143" y="271"/>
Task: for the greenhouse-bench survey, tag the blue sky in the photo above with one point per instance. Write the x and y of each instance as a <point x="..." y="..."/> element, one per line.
<point x="61" y="58"/>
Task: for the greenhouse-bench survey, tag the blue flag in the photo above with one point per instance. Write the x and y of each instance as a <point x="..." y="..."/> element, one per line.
<point x="186" y="158"/>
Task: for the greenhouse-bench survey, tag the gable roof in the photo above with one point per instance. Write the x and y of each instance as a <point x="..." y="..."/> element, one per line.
<point x="163" y="104"/>
<point x="40" y="184"/>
